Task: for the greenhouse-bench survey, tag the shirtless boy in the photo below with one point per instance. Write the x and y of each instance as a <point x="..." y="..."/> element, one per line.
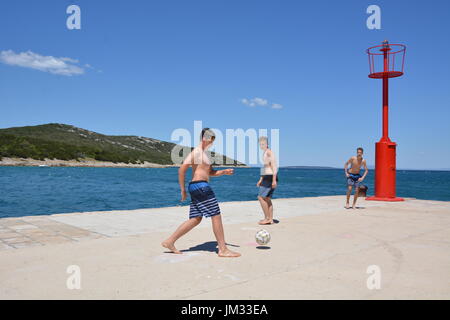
<point x="267" y="182"/>
<point x="203" y="201"/>
<point x="353" y="175"/>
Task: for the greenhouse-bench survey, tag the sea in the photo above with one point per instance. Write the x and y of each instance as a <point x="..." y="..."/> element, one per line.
<point x="28" y="191"/>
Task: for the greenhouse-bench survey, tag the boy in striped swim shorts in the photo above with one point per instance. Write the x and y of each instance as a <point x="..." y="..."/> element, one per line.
<point x="203" y="200"/>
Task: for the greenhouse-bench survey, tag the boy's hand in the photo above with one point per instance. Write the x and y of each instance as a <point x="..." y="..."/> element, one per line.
<point x="183" y="195"/>
<point x="258" y="183"/>
<point x="228" y="172"/>
<point x="347" y="175"/>
<point x="274" y="184"/>
<point x="360" y="179"/>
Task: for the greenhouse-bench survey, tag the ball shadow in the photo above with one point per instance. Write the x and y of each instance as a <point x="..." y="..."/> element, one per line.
<point x="263" y="247"/>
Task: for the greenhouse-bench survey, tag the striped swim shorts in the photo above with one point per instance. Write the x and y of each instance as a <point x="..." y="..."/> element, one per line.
<point x="203" y="200"/>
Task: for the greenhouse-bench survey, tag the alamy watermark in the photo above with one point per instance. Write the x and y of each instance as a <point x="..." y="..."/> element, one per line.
<point x="74" y="280"/>
<point x="74" y="20"/>
<point x="374" y="20"/>
<point x="374" y="280"/>
<point x="235" y="144"/>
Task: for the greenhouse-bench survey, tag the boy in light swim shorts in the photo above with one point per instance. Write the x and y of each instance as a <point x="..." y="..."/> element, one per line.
<point x="267" y="182"/>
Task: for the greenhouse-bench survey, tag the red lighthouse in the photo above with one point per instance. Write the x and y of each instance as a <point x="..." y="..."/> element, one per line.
<point x="385" y="56"/>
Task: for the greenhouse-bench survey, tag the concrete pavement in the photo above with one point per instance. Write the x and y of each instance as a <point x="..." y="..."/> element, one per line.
<point x="319" y="250"/>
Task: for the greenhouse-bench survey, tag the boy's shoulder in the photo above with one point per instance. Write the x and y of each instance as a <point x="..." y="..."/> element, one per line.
<point x="199" y="156"/>
<point x="192" y="156"/>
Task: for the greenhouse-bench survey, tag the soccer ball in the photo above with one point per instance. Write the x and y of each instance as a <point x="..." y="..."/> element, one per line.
<point x="262" y="237"/>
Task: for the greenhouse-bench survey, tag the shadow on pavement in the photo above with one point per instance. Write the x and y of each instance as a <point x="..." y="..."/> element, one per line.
<point x="210" y="246"/>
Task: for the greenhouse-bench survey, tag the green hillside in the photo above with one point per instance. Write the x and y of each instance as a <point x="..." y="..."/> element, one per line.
<point x="66" y="142"/>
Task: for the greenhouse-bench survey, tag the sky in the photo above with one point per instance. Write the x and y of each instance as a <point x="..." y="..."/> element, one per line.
<point x="147" y="68"/>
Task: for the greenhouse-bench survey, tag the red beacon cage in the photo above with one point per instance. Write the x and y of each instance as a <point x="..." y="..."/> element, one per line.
<point x="386" y="61"/>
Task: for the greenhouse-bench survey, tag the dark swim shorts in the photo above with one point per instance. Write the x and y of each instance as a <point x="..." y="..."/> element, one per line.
<point x="265" y="192"/>
<point x="352" y="180"/>
<point x="203" y="200"/>
<point x="265" y="188"/>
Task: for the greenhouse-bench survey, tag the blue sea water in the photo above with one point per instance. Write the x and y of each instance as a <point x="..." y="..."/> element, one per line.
<point x="37" y="190"/>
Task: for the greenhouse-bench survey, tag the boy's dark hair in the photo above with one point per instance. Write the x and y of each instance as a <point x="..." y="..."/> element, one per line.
<point x="360" y="149"/>
<point x="209" y="133"/>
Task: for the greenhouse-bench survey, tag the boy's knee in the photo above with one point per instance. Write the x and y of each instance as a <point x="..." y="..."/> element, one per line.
<point x="197" y="219"/>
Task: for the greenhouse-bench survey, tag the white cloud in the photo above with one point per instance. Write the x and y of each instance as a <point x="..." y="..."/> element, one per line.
<point x="254" y="102"/>
<point x="245" y="101"/>
<point x="260" y="101"/>
<point x="61" y="66"/>
<point x="276" y="106"/>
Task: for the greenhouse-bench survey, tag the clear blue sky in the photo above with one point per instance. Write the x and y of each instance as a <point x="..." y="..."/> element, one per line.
<point x="159" y="65"/>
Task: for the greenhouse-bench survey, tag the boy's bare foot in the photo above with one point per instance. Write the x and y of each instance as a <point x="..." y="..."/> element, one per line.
<point x="347" y="206"/>
<point x="265" y="221"/>
<point x="354" y="206"/>
<point x="227" y="253"/>
<point x="170" y="246"/>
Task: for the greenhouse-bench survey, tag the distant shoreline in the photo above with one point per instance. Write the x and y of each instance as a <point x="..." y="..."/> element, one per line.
<point x="27" y="162"/>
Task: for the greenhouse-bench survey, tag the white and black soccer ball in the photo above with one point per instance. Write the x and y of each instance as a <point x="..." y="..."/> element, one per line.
<point x="262" y="237"/>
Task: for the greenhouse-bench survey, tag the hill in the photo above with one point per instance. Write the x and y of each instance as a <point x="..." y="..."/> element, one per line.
<point x="67" y="142"/>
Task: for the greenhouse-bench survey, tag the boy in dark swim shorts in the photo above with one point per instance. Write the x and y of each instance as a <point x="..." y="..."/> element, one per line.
<point x="353" y="175"/>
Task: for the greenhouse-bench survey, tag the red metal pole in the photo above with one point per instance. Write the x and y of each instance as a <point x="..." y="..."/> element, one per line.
<point x="385" y="97"/>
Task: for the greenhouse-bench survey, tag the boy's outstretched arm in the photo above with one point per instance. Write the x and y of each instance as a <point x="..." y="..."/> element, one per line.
<point x="216" y="173"/>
